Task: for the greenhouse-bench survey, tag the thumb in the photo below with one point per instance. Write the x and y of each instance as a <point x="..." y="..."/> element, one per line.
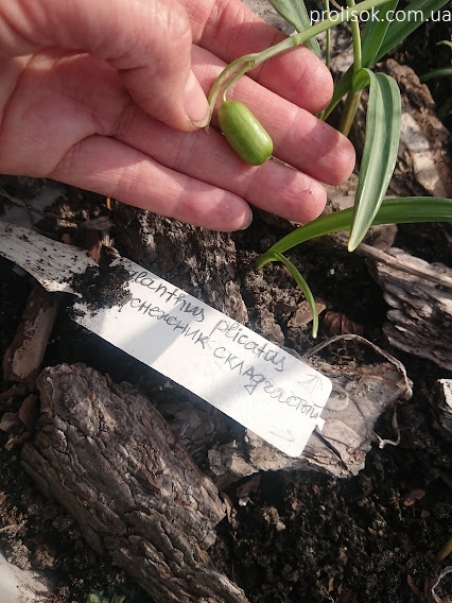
<point x="160" y="78"/>
<point x="148" y="41"/>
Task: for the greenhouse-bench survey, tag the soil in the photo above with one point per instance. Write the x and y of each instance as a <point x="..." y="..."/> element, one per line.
<point x="291" y="536"/>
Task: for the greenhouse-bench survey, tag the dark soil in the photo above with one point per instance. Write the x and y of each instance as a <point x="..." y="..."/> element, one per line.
<point x="372" y="538"/>
<point x="294" y="536"/>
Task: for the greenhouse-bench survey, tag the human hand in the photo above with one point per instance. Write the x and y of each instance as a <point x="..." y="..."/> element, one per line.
<point x="99" y="95"/>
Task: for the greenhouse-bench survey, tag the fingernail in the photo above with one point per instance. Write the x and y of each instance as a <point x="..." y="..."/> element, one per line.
<point x="196" y="104"/>
<point x="250" y="221"/>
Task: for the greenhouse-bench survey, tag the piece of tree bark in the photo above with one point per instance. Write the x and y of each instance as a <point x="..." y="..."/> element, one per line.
<point x="420" y="318"/>
<point x="106" y="454"/>
<point x="201" y="262"/>
<point x="423" y="164"/>
<point x="441" y="403"/>
<point x="23" y="357"/>
<point x="366" y="382"/>
<point x="361" y="393"/>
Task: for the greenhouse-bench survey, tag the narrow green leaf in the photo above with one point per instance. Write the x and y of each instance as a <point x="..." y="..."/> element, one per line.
<point x="326" y="8"/>
<point x="295" y="12"/>
<point x="380" y="149"/>
<point x="406" y="210"/>
<point x="301" y="282"/>
<point x="436" y="73"/>
<point x="408" y="20"/>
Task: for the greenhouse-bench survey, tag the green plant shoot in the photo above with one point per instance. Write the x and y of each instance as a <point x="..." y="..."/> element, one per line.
<point x="389" y="26"/>
<point x="406" y="210"/>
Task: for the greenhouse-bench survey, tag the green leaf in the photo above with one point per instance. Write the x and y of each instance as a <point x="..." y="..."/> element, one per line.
<point x="301" y="282"/>
<point x="407" y="21"/>
<point x="112" y="596"/>
<point x="295" y="12"/>
<point x="406" y="210"/>
<point x="380" y="149"/>
<point x="436" y="73"/>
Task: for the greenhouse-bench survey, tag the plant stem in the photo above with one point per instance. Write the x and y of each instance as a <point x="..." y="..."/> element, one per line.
<point x="303" y="286"/>
<point x="326" y="10"/>
<point x="356" y="40"/>
<point x="353" y="97"/>
<point x="348" y="115"/>
<point x="326" y="5"/>
<point x="445" y="551"/>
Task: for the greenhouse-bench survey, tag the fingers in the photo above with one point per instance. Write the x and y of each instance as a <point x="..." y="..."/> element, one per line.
<point x="193" y="177"/>
<point x="148" y="41"/>
<point x="274" y="186"/>
<point x="157" y="72"/>
<point x="112" y="168"/>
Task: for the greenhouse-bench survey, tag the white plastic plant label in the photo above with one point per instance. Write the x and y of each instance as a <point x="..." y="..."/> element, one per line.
<point x="239" y="372"/>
